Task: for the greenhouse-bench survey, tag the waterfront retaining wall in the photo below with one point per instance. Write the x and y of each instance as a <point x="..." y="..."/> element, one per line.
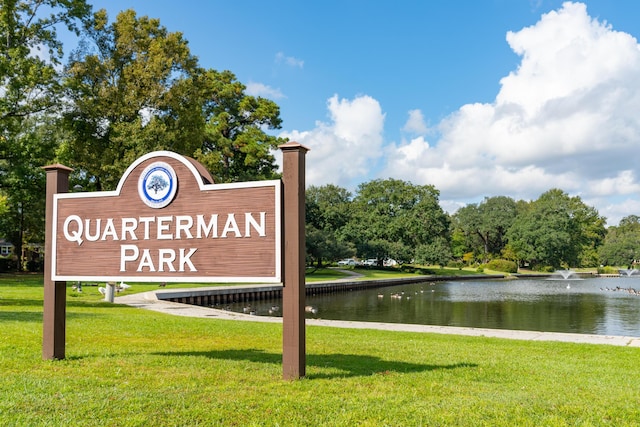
<point x="222" y="295"/>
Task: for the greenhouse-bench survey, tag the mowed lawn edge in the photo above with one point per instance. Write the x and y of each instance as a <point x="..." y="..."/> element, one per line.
<point x="126" y="366"/>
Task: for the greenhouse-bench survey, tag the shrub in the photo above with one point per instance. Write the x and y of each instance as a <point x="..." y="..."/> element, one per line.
<point x="545" y="269"/>
<point x="34" y="266"/>
<point x="455" y="264"/>
<point x="7" y="264"/>
<point x="406" y="268"/>
<point x="607" y="270"/>
<point x="502" y="265"/>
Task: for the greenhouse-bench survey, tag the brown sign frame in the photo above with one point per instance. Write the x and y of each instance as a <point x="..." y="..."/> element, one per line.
<point x="238" y="243"/>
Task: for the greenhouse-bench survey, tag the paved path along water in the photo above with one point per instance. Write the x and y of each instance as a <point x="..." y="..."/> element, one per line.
<point x="149" y="301"/>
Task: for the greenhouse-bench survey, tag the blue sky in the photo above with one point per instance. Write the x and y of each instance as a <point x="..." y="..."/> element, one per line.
<point x="477" y="97"/>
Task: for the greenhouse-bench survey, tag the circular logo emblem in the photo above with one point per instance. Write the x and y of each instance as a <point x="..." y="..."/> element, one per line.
<point x="157" y="185"/>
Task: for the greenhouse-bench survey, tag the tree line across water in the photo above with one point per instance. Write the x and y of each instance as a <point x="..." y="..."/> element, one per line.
<point x="131" y="87"/>
<point x="399" y="220"/>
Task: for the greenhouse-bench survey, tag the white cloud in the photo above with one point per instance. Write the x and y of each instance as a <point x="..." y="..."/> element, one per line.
<point x="565" y="118"/>
<point x="416" y="123"/>
<point x="624" y="183"/>
<point x="262" y="90"/>
<point x="291" y="61"/>
<point x="617" y="209"/>
<point x="343" y="150"/>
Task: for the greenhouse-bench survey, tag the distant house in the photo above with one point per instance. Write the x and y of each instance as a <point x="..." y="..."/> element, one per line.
<point x="6" y="248"/>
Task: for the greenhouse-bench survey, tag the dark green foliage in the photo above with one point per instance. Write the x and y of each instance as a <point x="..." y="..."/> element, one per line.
<point x="622" y="244"/>
<point x="327" y="210"/>
<point x="30" y="53"/>
<point x="437" y="252"/>
<point x="482" y="228"/>
<point x="30" y="56"/>
<point x="235" y="146"/>
<point x="135" y="87"/>
<point x="607" y="270"/>
<point x="8" y="264"/>
<point x="131" y="90"/>
<point x="323" y="245"/>
<point x="556" y="230"/>
<point x="392" y="218"/>
<point x="503" y="265"/>
<point x="34" y="266"/>
<point x="455" y="264"/>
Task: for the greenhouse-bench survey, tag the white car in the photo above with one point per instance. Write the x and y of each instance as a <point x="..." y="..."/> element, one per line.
<point x="349" y="261"/>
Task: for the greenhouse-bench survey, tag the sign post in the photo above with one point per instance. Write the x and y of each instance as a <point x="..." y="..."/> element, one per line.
<point x="55" y="292"/>
<point x="293" y="292"/>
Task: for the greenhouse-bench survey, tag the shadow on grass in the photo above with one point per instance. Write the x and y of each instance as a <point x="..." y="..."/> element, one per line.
<point x="36" y="316"/>
<point x="21" y="316"/>
<point x="20" y="302"/>
<point x="345" y="365"/>
<point x="69" y="302"/>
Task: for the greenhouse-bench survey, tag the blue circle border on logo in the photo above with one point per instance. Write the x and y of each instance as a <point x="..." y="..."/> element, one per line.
<point x="166" y="171"/>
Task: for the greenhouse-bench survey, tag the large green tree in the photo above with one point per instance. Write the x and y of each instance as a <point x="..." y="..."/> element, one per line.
<point x="132" y="88"/>
<point x="30" y="57"/>
<point x="135" y="87"/>
<point x="621" y="246"/>
<point x="328" y="211"/>
<point x="30" y="53"/>
<point x="557" y="231"/>
<point x="484" y="226"/>
<point x="392" y="218"/>
<point x="23" y="222"/>
<point x="236" y="145"/>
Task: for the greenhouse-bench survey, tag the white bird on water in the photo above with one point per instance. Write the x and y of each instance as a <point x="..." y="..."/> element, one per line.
<point x="310" y="309"/>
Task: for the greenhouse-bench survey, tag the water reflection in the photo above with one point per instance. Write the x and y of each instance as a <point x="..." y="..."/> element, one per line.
<point x="594" y="306"/>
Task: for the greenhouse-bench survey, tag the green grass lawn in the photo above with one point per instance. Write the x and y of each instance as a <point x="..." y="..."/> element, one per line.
<point x="132" y="367"/>
<point x="324" y="274"/>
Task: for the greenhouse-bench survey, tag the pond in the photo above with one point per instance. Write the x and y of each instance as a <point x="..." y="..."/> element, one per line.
<point x="602" y="306"/>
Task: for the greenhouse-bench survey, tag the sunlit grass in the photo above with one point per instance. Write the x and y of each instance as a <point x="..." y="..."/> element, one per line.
<point x="325" y="274"/>
<point x="131" y="367"/>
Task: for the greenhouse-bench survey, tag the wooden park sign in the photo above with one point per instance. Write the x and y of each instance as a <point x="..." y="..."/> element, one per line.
<point x="168" y="222"/>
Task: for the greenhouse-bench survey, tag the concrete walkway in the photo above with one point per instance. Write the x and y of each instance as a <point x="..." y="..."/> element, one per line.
<point x="149" y="301"/>
<point x="350" y="275"/>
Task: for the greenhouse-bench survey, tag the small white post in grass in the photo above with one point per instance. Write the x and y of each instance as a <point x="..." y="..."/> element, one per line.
<point x="111" y="289"/>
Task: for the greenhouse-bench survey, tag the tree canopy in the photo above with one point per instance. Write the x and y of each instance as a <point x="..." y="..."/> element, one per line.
<point x="135" y="87"/>
<point x="235" y="146"/>
<point x="328" y="211"/>
<point x="391" y="218"/>
<point x="556" y="230"/>
<point x="621" y="245"/>
<point x="30" y="87"/>
<point x="29" y="54"/>
<point x="485" y="225"/>
<point x="132" y="89"/>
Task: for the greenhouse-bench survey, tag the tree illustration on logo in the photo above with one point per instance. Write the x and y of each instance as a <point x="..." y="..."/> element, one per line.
<point x="157" y="183"/>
